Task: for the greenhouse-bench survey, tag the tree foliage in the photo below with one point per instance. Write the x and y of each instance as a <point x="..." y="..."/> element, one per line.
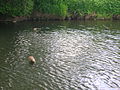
<point x="16" y="7"/>
<point x="59" y="7"/>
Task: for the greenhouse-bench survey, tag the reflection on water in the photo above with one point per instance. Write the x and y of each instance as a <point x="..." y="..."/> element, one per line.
<point x="69" y="56"/>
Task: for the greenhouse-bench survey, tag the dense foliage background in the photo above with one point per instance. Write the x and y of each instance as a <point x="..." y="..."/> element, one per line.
<point x="60" y="7"/>
<point x="16" y="7"/>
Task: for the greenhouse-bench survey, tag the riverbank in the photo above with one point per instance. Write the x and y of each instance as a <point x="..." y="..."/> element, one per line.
<point x="20" y="10"/>
<point x="36" y="16"/>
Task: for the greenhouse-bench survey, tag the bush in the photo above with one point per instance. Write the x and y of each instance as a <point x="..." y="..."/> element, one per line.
<point x="81" y="7"/>
<point x="102" y="7"/>
<point x="16" y="7"/>
<point x="60" y="7"/>
<point x="111" y="7"/>
<point x="56" y="7"/>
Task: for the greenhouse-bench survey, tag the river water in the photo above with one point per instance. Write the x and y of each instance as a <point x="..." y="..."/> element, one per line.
<point x="69" y="55"/>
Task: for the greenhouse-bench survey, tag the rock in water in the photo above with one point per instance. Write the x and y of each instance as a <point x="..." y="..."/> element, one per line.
<point x="31" y="59"/>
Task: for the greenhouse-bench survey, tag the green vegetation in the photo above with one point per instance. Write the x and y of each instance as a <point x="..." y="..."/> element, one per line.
<point x="100" y="7"/>
<point x="16" y="7"/>
<point x="56" y="7"/>
<point x="107" y="7"/>
<point x="103" y="8"/>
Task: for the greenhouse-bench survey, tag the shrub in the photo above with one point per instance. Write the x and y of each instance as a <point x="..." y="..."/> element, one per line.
<point x="16" y="7"/>
<point x="56" y="7"/>
<point x="59" y="7"/>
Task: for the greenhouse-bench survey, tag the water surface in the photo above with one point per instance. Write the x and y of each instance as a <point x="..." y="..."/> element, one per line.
<point x="69" y="55"/>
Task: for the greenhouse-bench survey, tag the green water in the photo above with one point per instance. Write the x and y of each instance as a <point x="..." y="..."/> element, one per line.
<point x="69" y="55"/>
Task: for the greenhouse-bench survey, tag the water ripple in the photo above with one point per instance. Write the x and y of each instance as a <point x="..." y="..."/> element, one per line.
<point x="83" y="58"/>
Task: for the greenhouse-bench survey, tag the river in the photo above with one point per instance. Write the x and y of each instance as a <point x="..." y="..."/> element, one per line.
<point x="75" y="55"/>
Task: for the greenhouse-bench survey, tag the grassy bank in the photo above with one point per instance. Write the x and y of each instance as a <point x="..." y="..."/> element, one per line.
<point x="60" y="8"/>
